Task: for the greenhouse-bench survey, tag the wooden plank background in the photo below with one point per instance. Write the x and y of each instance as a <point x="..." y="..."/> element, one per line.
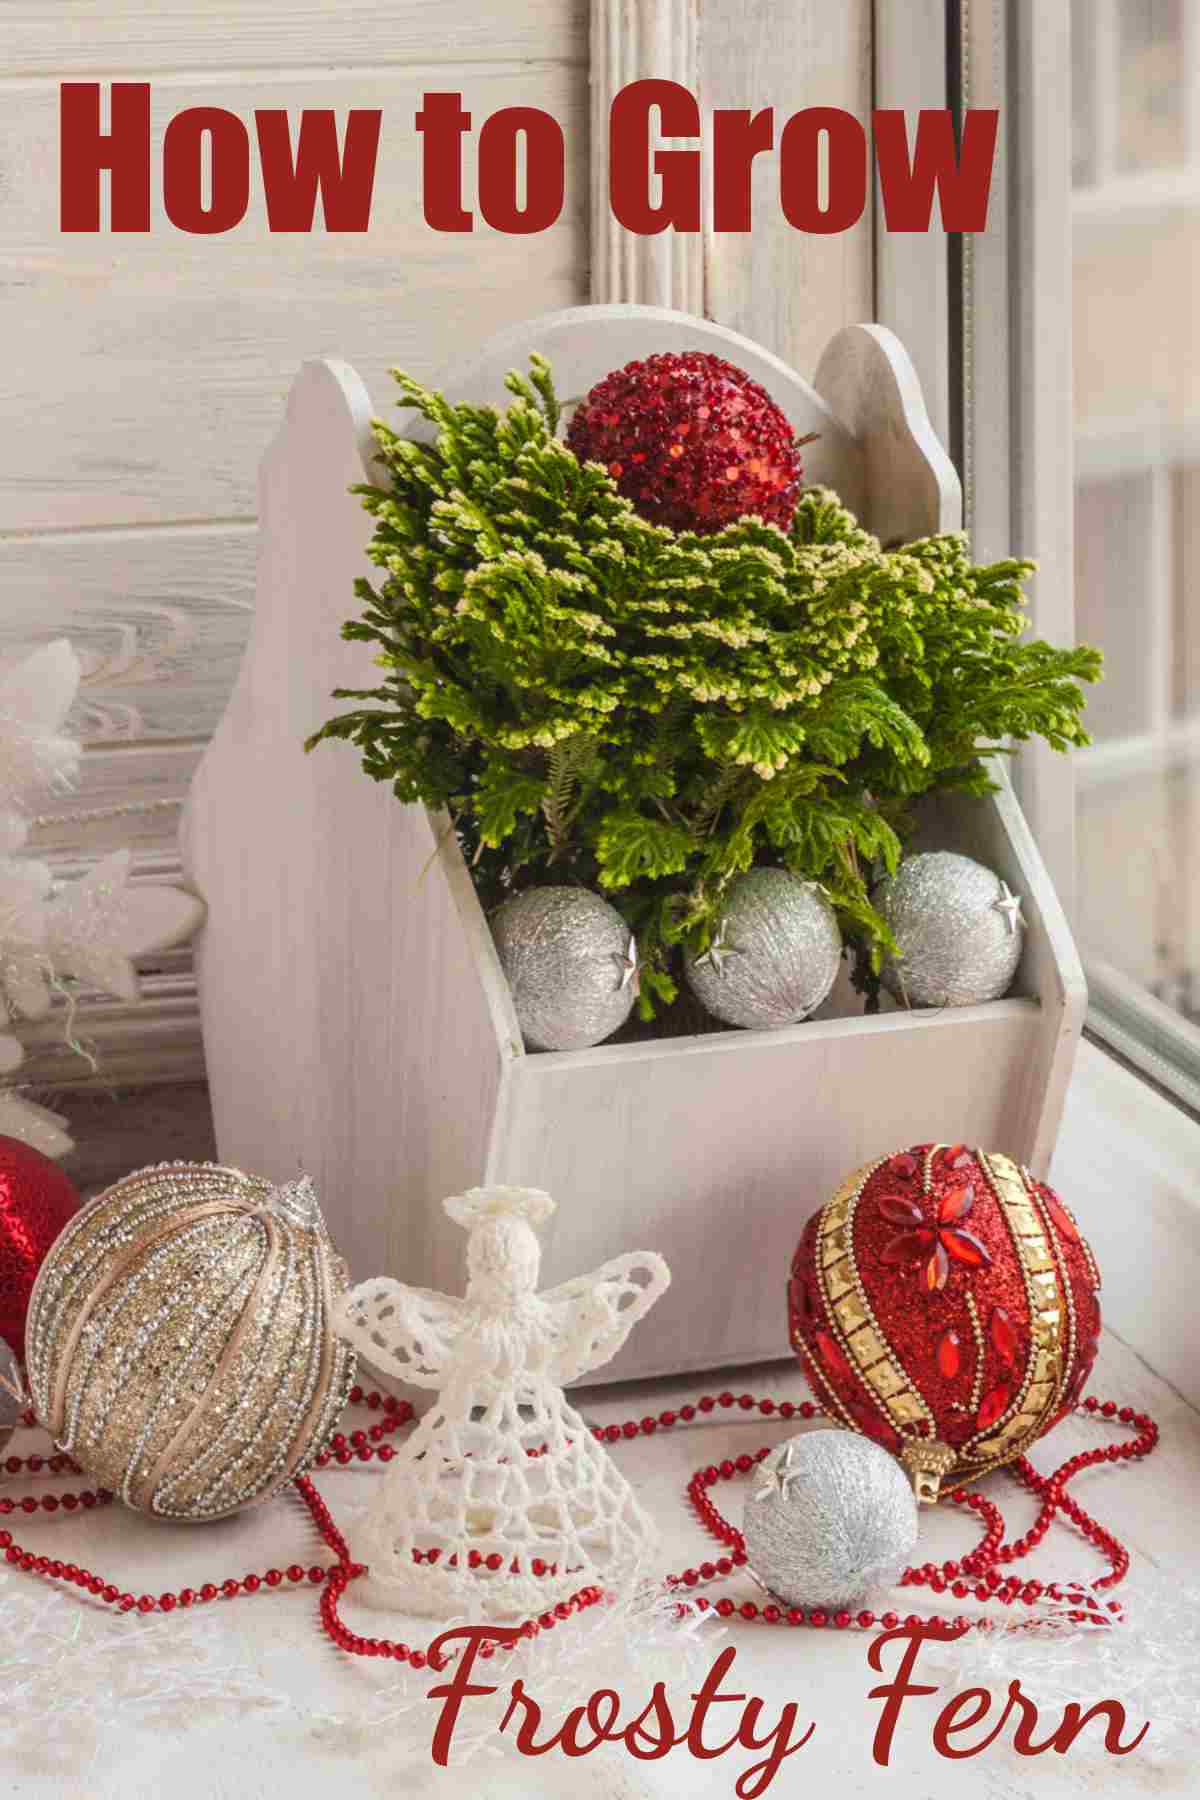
<point x="789" y="291"/>
<point x="76" y="38"/>
<point x="146" y="372"/>
<point x="144" y="376"/>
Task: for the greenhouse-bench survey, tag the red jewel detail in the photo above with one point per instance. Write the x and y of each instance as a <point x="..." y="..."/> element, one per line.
<point x="955" y="1204"/>
<point x="937" y="1269"/>
<point x="1004" y="1338"/>
<point x="904" y="1165"/>
<point x="1076" y="1386"/>
<point x="899" y="1212"/>
<point x="909" y="1246"/>
<point x="831" y="1355"/>
<point x="871" y="1421"/>
<point x="1060" y="1215"/>
<point x="949" y="1355"/>
<point x="959" y="1157"/>
<point x="965" y="1248"/>
<point x="992" y="1405"/>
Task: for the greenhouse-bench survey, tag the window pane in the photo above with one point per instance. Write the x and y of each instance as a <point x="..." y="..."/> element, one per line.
<point x="1151" y="132"/>
<point x="1114" y="525"/>
<point x="1083" y="88"/>
<point x="1137" y="508"/>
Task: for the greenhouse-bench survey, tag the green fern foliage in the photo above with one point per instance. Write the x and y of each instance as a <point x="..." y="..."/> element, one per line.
<point x="597" y="699"/>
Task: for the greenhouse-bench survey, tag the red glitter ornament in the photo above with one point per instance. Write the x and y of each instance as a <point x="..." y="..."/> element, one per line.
<point x="692" y="441"/>
<point x="36" y="1200"/>
<point x="945" y="1303"/>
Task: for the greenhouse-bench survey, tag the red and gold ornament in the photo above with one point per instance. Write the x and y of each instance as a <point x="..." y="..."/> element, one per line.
<point x="692" y="441"/>
<point x="36" y="1200"/>
<point x="947" y="1305"/>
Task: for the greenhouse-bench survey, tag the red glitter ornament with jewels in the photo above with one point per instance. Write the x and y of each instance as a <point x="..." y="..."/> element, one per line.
<point x="692" y="441"/>
<point x="36" y="1200"/>
<point x="946" y="1304"/>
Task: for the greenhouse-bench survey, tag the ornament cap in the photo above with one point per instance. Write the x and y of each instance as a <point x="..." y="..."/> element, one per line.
<point x="297" y="1202"/>
<point x="928" y="1464"/>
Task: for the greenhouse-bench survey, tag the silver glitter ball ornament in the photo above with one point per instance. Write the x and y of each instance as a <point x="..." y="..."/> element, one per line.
<point x="958" y="928"/>
<point x="830" y="1517"/>
<point x="571" y="964"/>
<point x="774" y="955"/>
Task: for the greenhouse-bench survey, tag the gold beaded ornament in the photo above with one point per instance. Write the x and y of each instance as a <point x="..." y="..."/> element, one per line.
<point x="179" y="1343"/>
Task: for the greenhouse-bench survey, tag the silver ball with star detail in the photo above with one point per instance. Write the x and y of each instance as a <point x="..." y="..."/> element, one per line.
<point x="958" y="928"/>
<point x="774" y="955"/>
<point x="830" y="1517"/>
<point x="571" y="963"/>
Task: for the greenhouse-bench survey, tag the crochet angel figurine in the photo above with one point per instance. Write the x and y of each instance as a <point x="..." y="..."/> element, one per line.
<point x="501" y="1503"/>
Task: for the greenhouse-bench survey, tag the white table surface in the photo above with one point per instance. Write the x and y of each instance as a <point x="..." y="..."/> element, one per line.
<point x="307" y="1721"/>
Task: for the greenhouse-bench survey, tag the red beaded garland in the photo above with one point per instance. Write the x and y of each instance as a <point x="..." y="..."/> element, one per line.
<point x="692" y="441"/>
<point x="974" y="1575"/>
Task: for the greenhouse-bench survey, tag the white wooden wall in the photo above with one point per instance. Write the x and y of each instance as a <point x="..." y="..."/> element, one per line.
<point x="787" y="291"/>
<point x="142" y="377"/>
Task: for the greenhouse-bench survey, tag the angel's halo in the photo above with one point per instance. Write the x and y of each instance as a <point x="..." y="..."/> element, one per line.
<point x="499" y="1202"/>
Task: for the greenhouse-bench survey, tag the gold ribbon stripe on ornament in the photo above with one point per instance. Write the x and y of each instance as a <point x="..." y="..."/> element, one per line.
<point x="858" y="1330"/>
<point x="144" y="1493"/>
<point x="1046" y="1293"/>
<point x="116" y="1273"/>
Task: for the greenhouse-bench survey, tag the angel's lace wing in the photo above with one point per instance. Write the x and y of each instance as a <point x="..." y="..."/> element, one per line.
<point x="591" y="1316"/>
<point x="405" y="1331"/>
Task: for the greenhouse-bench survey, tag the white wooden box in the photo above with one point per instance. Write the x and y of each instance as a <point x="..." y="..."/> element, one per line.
<point x="356" y="1021"/>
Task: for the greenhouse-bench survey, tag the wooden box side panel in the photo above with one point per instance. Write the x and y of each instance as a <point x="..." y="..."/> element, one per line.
<point x="714" y="1151"/>
<point x="910" y="488"/>
<point x="350" y="1025"/>
<point x="995" y="832"/>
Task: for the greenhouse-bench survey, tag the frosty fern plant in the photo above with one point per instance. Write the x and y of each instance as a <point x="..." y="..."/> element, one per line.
<point x="596" y="699"/>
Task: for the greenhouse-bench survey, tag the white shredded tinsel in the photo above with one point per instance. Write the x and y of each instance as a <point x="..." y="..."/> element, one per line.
<point x="90" y="1672"/>
<point x="1149" y="1661"/>
<point x="97" y="1675"/>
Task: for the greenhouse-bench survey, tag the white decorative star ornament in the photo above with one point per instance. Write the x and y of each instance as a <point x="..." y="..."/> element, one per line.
<point x="719" y="950"/>
<point x="23" y="1119"/>
<point x="774" y="1477"/>
<point x="88" y="930"/>
<point x="34" y="1125"/>
<point x="25" y="965"/>
<point x="35" y="697"/>
<point x="631" y="971"/>
<point x="1009" y="904"/>
<point x="96" y="926"/>
<point x="85" y="924"/>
